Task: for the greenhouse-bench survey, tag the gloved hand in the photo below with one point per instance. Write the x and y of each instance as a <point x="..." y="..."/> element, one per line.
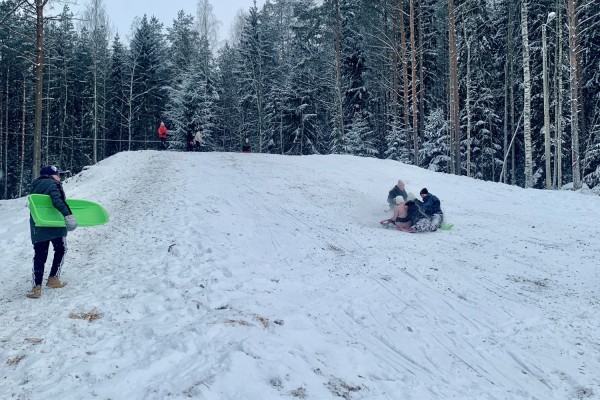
<point x="71" y="222"/>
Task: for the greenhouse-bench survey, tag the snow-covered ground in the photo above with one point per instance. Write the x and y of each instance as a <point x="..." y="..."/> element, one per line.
<point x="250" y="276"/>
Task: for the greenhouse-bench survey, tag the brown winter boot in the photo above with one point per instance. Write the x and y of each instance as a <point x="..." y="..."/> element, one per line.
<point x="55" y="283"/>
<point x="35" y="293"/>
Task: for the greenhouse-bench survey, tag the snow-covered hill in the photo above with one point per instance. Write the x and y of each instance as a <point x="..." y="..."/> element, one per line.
<point x="249" y="276"/>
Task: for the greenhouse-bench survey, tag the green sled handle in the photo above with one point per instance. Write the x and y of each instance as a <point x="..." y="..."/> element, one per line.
<point x="87" y="213"/>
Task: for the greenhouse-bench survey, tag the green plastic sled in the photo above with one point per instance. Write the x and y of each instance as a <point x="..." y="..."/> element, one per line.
<point x="87" y="213"/>
<point x="446" y="227"/>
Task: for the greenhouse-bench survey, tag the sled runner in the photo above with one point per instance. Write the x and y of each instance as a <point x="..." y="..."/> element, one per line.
<point x="86" y="212"/>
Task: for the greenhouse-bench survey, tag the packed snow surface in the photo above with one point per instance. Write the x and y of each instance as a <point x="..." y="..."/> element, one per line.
<point x="252" y="276"/>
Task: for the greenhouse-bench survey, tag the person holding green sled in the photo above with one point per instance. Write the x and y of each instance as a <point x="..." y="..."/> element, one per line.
<point x="48" y="183"/>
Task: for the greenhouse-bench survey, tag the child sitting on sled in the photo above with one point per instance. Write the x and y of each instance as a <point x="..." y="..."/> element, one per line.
<point x="399" y="213"/>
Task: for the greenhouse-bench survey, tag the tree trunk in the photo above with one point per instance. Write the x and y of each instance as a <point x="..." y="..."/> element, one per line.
<point x="22" y="155"/>
<point x="95" y="146"/>
<point x="2" y="122"/>
<point x="526" y="97"/>
<point x="39" y="76"/>
<point x="395" y="61"/>
<point x="421" y="75"/>
<point x="5" y="191"/>
<point x="505" y="127"/>
<point x="574" y="86"/>
<point x="510" y="107"/>
<point x="546" y="110"/>
<point x="130" y="113"/>
<point x="468" y="101"/>
<point x="338" y="74"/>
<point x="46" y="142"/>
<point x="281" y="149"/>
<point x="454" y="106"/>
<point x="96" y="21"/>
<point x="103" y="131"/>
<point x="130" y="99"/>
<point x="558" y="87"/>
<point x="414" y="68"/>
<point x="63" y="124"/>
<point x="403" y="53"/>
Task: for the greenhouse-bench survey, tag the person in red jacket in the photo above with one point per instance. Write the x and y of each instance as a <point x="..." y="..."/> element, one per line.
<point x="162" y="135"/>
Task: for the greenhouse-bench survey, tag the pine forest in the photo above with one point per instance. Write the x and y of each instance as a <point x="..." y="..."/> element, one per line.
<point x="499" y="90"/>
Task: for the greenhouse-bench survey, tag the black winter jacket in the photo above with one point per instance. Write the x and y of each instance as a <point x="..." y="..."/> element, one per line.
<point x="430" y="205"/>
<point x="413" y="213"/>
<point x="395" y="192"/>
<point x="53" y="188"/>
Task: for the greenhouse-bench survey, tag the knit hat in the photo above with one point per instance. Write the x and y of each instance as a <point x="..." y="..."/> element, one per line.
<point x="424" y="191"/>
<point x="399" y="199"/>
<point x="51" y="170"/>
<point x="410" y="196"/>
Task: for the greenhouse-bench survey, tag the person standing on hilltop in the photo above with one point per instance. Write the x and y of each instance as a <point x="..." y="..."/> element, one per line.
<point x="246" y="146"/>
<point x="162" y="135"/>
<point x="198" y="140"/>
<point x="189" y="141"/>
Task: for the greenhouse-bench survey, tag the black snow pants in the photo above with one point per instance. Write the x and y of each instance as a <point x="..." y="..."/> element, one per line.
<point x="41" y="255"/>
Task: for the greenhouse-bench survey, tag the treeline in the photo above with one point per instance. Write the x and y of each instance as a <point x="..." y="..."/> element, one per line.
<point x="503" y="90"/>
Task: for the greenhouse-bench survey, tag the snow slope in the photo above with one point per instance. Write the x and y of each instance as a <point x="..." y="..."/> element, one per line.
<point x="251" y="276"/>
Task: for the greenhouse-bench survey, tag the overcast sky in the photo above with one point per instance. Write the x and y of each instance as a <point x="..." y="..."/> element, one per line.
<point x="123" y="12"/>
